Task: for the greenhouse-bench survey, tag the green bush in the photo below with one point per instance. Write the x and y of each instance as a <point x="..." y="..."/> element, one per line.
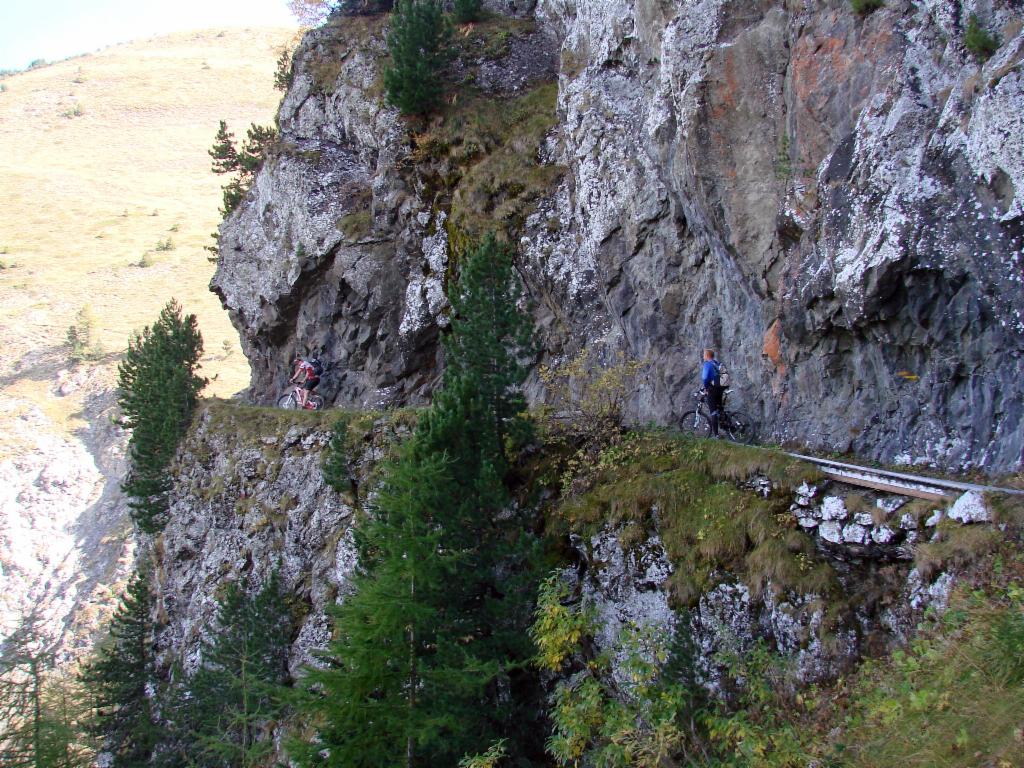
<point x="80" y="337"/>
<point x="953" y="697"/>
<point x="864" y="7"/>
<point x="979" y="41"/>
<point x="646" y="722"/>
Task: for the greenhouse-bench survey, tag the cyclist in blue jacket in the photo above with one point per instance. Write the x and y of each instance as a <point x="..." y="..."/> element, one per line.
<point x="711" y="379"/>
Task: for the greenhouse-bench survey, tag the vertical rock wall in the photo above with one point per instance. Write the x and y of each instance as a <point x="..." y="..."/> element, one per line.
<point x="833" y="201"/>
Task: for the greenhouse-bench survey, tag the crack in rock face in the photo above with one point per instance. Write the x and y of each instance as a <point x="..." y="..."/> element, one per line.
<point x="831" y="201"/>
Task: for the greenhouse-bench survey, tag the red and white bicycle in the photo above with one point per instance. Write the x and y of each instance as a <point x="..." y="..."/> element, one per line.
<point x="290" y="400"/>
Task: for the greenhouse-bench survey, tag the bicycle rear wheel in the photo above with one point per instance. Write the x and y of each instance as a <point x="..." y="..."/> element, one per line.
<point x="316" y="402"/>
<point x="738" y="427"/>
<point x="696" y="423"/>
<point x="287" y="402"/>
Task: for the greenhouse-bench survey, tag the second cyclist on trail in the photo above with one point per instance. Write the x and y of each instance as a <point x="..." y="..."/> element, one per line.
<point x="307" y="373"/>
<point x="711" y="379"/>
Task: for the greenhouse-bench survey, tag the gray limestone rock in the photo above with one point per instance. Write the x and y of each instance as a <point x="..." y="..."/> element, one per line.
<point x="883" y="535"/>
<point x="855" y="534"/>
<point x="249" y="500"/>
<point x="864" y="518"/>
<point x="626" y="589"/>
<point x="833" y="508"/>
<point x="843" y="220"/>
<point x="831" y="531"/>
<point x="970" y="508"/>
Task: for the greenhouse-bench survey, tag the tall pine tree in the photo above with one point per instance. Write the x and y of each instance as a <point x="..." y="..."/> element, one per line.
<point x="419" y="44"/>
<point x="119" y="680"/>
<point x="386" y="697"/>
<point x="424" y="667"/>
<point x="158" y="391"/>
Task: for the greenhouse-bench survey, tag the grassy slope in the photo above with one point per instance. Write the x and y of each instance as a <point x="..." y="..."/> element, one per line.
<point x="83" y="198"/>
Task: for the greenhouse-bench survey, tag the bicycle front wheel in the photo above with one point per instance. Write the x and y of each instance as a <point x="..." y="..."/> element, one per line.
<point x="287" y="402"/>
<point x="696" y="423"/>
<point x="739" y="427"/>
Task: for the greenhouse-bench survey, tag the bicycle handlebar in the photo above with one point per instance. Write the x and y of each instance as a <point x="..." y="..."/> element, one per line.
<point x="703" y="392"/>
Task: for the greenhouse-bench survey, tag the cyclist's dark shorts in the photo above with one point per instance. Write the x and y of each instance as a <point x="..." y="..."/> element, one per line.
<point x="310" y="384"/>
<point x="715" y="397"/>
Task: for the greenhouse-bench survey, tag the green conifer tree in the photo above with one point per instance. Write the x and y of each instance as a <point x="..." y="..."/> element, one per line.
<point x="431" y="643"/>
<point x="259" y="141"/>
<point x="284" y="74"/>
<point x="119" y="676"/>
<point x="158" y="391"/>
<point x="491" y="335"/>
<point x="398" y="670"/>
<point x="224" y="151"/>
<point x="419" y="44"/>
<point x="242" y="163"/>
<point x="467" y="11"/>
<point x="237" y="693"/>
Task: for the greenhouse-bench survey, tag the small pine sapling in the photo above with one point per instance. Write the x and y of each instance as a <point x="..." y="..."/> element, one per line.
<point x="419" y="45"/>
<point x="81" y="336"/>
<point x="865" y="7"/>
<point x="284" y="74"/>
<point x="979" y="41"/>
<point x="224" y="152"/>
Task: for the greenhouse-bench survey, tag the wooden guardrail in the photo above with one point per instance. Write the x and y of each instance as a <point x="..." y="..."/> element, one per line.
<point x="917" y="486"/>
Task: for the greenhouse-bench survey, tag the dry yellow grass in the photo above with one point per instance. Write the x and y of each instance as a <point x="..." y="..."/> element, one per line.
<point x="102" y="157"/>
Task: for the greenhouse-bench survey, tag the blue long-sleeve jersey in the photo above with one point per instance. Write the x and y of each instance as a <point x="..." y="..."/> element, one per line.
<point x="710" y="374"/>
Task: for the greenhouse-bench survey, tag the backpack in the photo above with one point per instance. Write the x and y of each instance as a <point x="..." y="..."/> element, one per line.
<point x="318" y="367"/>
<point x="723" y="376"/>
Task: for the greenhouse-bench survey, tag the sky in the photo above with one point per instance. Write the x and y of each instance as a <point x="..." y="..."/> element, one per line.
<point x="57" y="29"/>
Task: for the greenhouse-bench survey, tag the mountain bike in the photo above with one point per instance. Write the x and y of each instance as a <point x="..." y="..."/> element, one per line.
<point x="290" y="400"/>
<point x="734" y="425"/>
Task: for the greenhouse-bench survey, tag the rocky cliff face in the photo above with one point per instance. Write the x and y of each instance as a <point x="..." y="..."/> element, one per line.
<point x="249" y="498"/>
<point x="822" y="573"/>
<point x="831" y="200"/>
